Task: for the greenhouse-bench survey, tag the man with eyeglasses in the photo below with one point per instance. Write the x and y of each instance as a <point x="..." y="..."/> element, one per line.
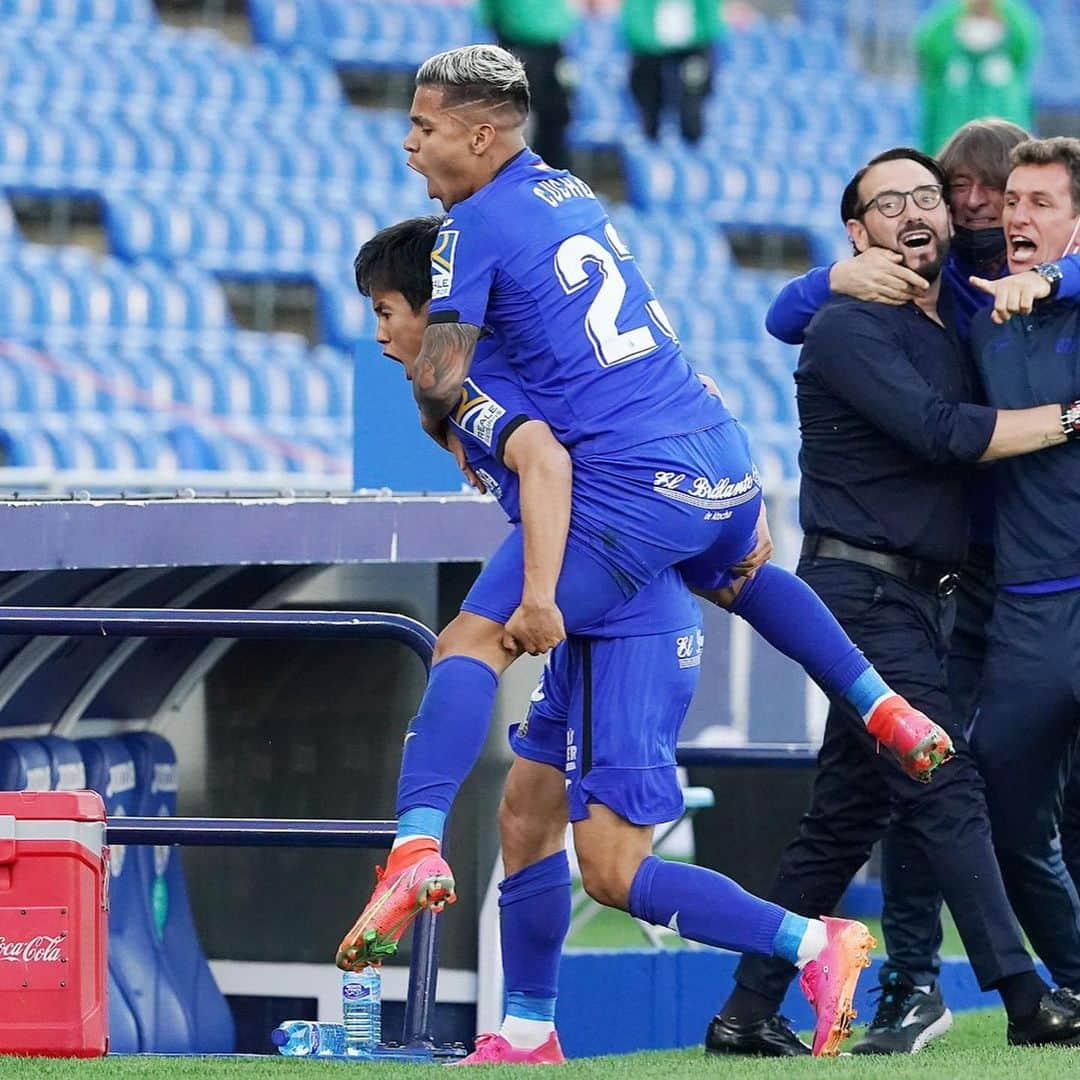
<point x="976" y="159"/>
<point x="888" y="438"/>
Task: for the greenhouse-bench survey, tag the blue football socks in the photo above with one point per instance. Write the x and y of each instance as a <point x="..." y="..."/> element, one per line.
<point x="534" y="917"/>
<point x="792" y="618"/>
<point x="704" y="906"/>
<point x="444" y="739"/>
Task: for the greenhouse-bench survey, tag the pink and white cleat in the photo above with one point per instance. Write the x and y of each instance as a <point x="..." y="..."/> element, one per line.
<point x="829" y="981"/>
<point x="493" y="1049"/>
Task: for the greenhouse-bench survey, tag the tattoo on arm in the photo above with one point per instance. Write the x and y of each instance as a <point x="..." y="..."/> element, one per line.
<point x="442" y="365"/>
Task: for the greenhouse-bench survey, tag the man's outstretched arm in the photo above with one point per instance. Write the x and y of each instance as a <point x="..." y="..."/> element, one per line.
<point x="442" y="366"/>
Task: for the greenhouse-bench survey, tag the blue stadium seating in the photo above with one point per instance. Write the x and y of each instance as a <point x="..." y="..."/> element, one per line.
<point x="215" y="159"/>
<point x="162" y="874"/>
<point x="24" y="765"/>
<point x="136" y="961"/>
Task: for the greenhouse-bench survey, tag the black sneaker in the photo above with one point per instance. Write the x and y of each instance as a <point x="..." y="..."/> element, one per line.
<point x="1056" y="1022"/>
<point x="771" y="1037"/>
<point x="906" y="1019"/>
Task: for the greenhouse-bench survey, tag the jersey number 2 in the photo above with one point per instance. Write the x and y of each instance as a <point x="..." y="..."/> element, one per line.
<point x="576" y="258"/>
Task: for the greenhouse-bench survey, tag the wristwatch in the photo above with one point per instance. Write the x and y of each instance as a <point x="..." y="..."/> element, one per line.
<point x="1051" y="273"/>
<point x="1070" y="420"/>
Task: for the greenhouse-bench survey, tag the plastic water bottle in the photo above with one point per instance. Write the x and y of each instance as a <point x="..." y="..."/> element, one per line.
<point x="309" y="1038"/>
<point x="361" y="1009"/>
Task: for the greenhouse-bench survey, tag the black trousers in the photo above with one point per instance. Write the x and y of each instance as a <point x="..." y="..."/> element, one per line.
<point x="549" y="87"/>
<point x="1024" y="742"/>
<point x="911" y="916"/>
<point x="858" y="790"/>
<point x="1024" y="735"/>
<point x="681" y="81"/>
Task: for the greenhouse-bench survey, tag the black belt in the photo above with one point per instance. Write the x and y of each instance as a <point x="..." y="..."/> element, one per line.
<point x="933" y="577"/>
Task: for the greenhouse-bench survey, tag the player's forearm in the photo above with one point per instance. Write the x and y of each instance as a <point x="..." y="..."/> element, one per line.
<point x="445" y="355"/>
<point x="1023" y="431"/>
<point x="545" y="487"/>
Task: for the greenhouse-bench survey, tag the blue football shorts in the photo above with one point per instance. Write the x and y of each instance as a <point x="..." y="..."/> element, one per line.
<point x="689" y="501"/>
<point x="607" y="712"/>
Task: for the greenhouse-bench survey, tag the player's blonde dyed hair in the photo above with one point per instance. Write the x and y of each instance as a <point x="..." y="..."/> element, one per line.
<point x="482" y="75"/>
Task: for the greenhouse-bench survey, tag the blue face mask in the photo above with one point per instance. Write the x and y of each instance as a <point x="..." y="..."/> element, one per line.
<point x="979" y="247"/>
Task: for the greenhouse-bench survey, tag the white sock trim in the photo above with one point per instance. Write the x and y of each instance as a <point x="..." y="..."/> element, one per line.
<point x="399" y="840"/>
<point x="870" y="712"/>
<point x="524" y="1034"/>
<point x="813" y="942"/>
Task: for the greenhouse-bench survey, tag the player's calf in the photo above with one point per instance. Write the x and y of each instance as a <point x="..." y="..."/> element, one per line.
<point x="473" y="635"/>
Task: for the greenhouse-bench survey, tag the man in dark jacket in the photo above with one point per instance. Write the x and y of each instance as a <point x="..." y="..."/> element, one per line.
<point x="1029" y="711"/>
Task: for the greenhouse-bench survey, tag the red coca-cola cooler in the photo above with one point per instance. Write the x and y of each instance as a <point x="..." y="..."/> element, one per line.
<point x="53" y="924"/>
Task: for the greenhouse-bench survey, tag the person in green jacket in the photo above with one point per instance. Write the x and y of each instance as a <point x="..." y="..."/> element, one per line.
<point x="534" y="31"/>
<point x="672" y="44"/>
<point x="975" y="59"/>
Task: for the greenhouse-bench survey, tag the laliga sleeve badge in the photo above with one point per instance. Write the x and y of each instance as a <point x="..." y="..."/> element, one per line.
<point x="442" y="263"/>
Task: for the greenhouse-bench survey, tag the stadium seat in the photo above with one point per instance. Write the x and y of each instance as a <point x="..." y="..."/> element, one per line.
<point x="136" y="960"/>
<point x="163" y="878"/>
<point x="24" y="765"/>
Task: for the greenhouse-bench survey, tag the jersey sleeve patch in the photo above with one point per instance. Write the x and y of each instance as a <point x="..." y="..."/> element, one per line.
<point x="442" y="263"/>
<point x="477" y="414"/>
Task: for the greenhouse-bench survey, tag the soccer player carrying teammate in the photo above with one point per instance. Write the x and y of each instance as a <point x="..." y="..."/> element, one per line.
<point x="662" y="474"/>
<point x="606" y="716"/>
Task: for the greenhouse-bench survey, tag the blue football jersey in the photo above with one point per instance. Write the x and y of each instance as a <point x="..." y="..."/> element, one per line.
<point x="492" y="407"/>
<point x="533" y="258"/>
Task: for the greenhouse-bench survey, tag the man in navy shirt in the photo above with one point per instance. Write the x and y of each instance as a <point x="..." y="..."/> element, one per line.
<point x="882" y="394"/>
<point x="1029" y="705"/>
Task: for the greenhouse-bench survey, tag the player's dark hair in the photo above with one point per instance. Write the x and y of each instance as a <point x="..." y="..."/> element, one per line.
<point x="981" y="148"/>
<point x="1060" y="150"/>
<point x="850" y="203"/>
<point x="398" y="259"/>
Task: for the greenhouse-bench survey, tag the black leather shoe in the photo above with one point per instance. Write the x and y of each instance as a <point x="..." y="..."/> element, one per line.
<point x="1056" y="1022"/>
<point x="771" y="1037"/>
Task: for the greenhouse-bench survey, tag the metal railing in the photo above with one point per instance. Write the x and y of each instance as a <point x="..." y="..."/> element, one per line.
<point x="259" y="832"/>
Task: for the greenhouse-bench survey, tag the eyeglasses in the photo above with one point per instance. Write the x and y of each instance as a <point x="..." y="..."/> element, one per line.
<point x="891" y="203"/>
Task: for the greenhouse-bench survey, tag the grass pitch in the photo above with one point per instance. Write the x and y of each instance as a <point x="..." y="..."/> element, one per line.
<point x="974" y="1050"/>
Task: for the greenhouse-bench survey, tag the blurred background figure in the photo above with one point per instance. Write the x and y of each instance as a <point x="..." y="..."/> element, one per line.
<point x="534" y="31"/>
<point x="975" y="59"/>
<point x="672" y="45"/>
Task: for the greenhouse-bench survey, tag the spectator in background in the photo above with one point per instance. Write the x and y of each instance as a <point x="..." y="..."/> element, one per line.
<point x="671" y="44"/>
<point x="534" y="30"/>
<point x="975" y="59"/>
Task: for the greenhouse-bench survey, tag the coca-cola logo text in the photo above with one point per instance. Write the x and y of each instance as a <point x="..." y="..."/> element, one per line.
<point x="40" y="949"/>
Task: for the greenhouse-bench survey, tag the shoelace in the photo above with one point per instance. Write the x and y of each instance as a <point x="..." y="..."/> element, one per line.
<point x="890" y="1008"/>
<point x="483" y="1040"/>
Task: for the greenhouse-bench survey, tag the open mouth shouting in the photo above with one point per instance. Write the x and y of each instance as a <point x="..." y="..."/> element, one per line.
<point x="916" y="238"/>
<point x="1022" y="249"/>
